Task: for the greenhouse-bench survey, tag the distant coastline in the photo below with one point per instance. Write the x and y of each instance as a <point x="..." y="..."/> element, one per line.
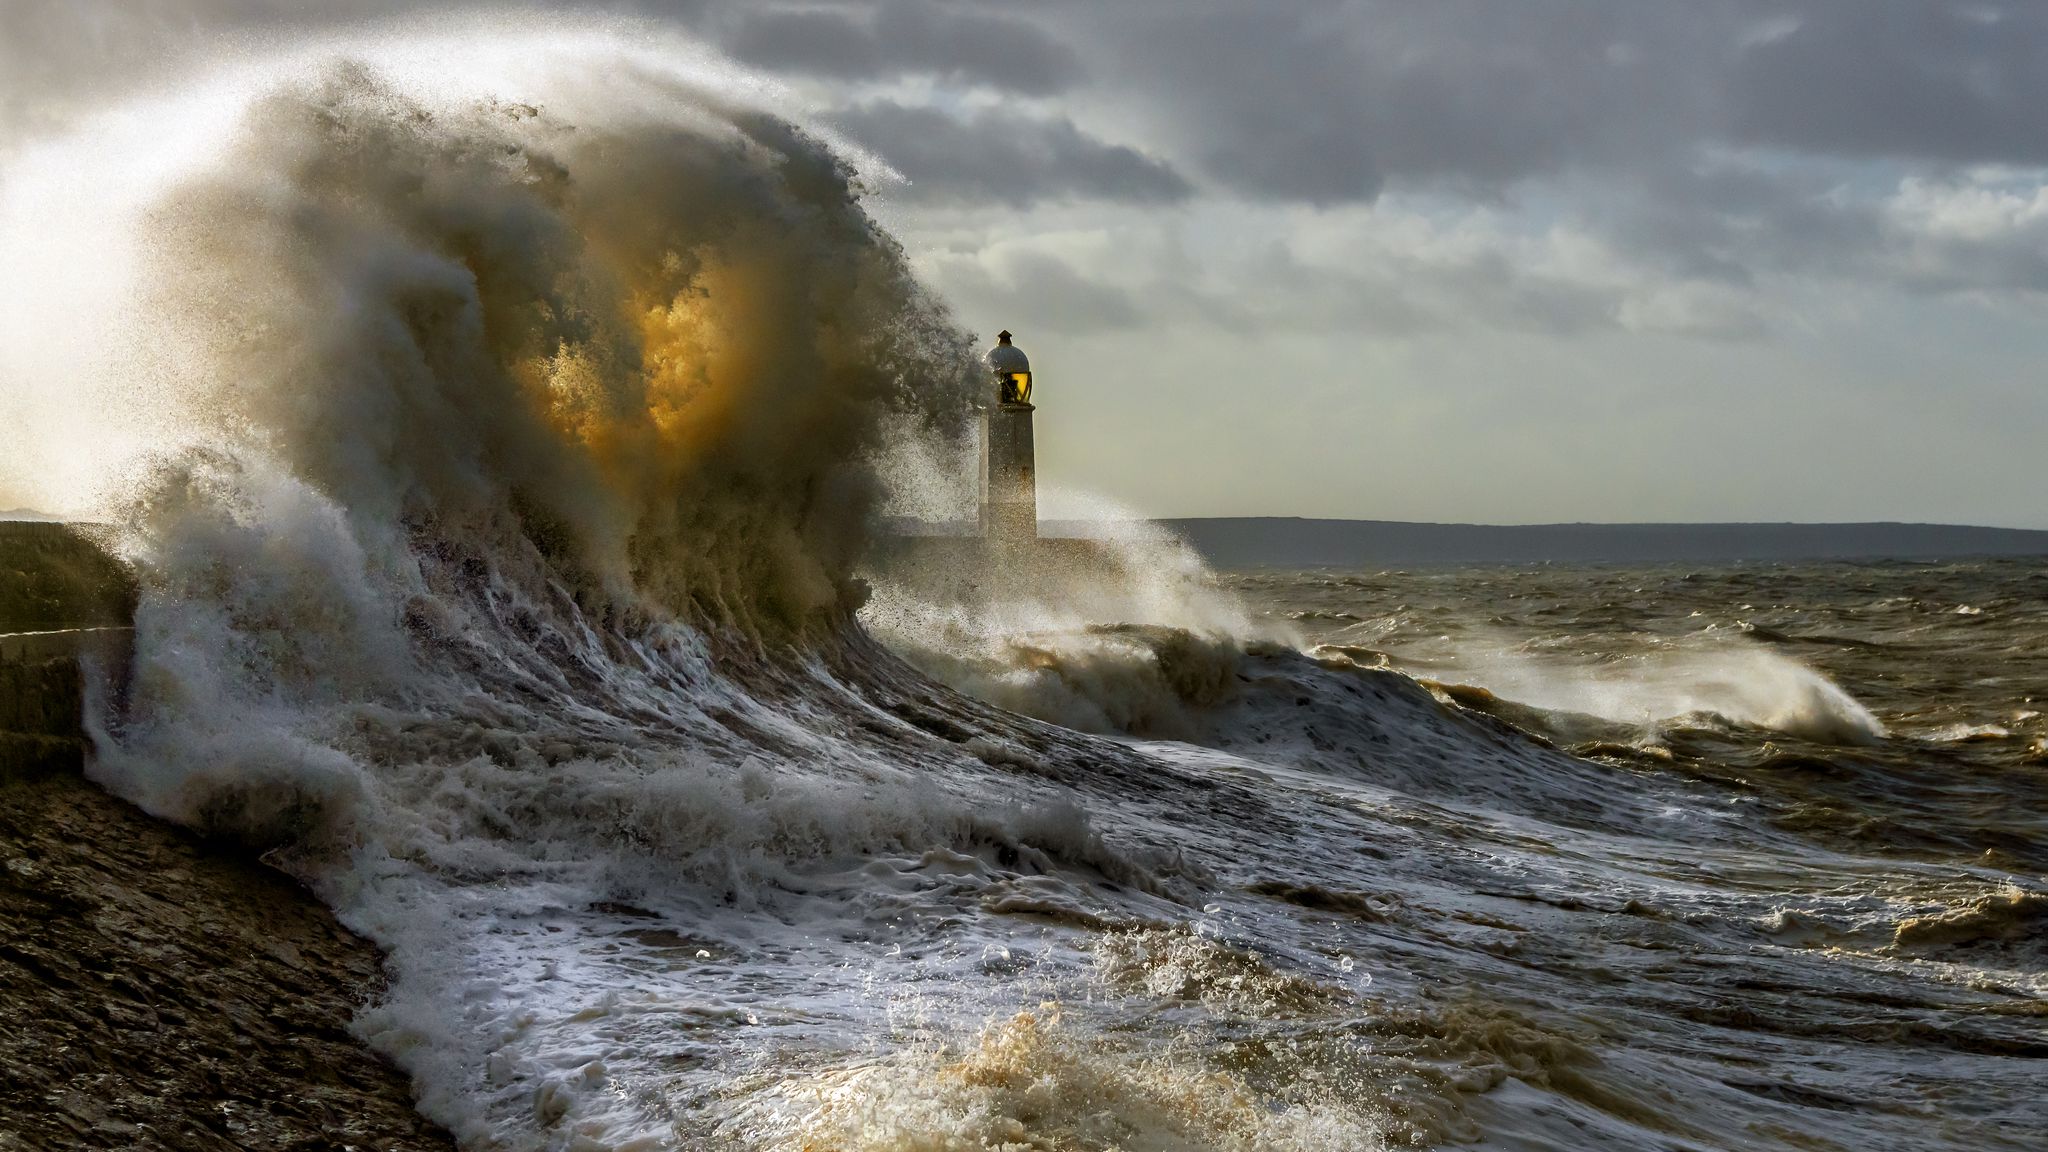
<point x="1292" y="542"/>
<point x="1296" y="542"/>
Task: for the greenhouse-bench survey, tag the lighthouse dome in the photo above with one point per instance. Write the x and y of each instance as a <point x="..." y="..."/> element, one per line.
<point x="1012" y="370"/>
<point x="1006" y="358"/>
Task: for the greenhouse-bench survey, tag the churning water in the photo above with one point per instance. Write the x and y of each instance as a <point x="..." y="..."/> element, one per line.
<point x="495" y="441"/>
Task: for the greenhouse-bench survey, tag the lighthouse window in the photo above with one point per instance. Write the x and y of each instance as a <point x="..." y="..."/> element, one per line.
<point x="1017" y="388"/>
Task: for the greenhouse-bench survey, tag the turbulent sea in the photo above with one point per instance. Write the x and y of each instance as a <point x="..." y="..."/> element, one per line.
<point x="1541" y="857"/>
<point x="1792" y="894"/>
<point x="496" y="426"/>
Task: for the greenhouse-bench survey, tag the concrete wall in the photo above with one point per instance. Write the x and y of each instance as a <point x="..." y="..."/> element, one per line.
<point x="65" y="604"/>
<point x="44" y="678"/>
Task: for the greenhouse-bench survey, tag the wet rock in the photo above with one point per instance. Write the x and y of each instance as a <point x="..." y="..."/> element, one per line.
<point x="160" y="992"/>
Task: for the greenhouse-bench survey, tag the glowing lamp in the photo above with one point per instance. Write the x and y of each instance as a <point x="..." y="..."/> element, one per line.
<point x="1012" y="371"/>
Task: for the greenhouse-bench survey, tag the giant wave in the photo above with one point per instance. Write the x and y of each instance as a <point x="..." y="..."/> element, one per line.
<point x="508" y="449"/>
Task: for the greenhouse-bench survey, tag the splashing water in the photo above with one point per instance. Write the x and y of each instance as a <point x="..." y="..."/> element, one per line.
<point x="497" y="423"/>
<point x="1746" y="685"/>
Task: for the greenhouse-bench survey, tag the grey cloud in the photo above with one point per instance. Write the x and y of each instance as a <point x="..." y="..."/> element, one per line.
<point x="1618" y="117"/>
<point x="1302" y="100"/>
<point x="1148" y="280"/>
<point x="1045" y="289"/>
<point x="1321" y="102"/>
<point x="1611" y="115"/>
<point x="1973" y="266"/>
<point x="1734" y="227"/>
<point x="1306" y="101"/>
<point x="1002" y="157"/>
<point x="1725" y="224"/>
<point x="1309" y="100"/>
<point x="918" y="37"/>
<point x="1405" y="296"/>
<point x="1900" y="79"/>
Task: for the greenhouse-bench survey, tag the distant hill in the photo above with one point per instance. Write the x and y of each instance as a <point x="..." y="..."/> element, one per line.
<point x="1289" y="542"/>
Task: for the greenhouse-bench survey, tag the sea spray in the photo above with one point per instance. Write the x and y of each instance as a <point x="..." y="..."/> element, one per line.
<point x="502" y="458"/>
<point x="509" y="438"/>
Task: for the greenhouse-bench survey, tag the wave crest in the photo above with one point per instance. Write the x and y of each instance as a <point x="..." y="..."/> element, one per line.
<point x="642" y="357"/>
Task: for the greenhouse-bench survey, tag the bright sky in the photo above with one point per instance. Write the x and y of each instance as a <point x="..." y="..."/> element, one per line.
<point x="1469" y="260"/>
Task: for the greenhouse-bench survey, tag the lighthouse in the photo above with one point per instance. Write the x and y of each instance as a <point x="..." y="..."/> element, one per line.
<point x="1009" y="483"/>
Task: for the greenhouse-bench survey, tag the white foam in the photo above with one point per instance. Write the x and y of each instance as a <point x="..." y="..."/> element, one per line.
<point x="1747" y="685"/>
<point x="494" y="575"/>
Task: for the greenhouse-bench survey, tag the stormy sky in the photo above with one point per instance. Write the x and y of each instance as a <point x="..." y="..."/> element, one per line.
<point x="1476" y="260"/>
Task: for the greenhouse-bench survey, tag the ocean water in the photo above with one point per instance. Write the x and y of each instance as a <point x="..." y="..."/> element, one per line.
<point x="497" y="424"/>
<point x="1745" y="857"/>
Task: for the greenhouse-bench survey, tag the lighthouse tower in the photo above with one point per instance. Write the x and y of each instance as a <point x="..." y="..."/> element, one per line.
<point x="1009" y="484"/>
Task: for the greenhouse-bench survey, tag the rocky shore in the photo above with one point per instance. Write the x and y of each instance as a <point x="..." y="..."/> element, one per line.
<point x="161" y="992"/>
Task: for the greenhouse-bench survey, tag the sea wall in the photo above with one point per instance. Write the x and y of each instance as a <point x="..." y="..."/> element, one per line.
<point x="45" y="678"/>
<point x="65" y="603"/>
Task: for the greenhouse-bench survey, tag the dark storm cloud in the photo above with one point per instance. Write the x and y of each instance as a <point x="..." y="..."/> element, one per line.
<point x="1324" y="104"/>
<point x="1616" y="117"/>
<point x="1717" y="141"/>
<point x="1896" y="78"/>
<point x="1312" y="100"/>
<point x="1001" y="157"/>
<point x="1304" y="100"/>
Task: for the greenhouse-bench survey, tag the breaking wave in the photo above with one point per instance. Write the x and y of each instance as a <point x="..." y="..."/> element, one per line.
<point x="1665" y="688"/>
<point x="500" y="461"/>
<point x="508" y="467"/>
